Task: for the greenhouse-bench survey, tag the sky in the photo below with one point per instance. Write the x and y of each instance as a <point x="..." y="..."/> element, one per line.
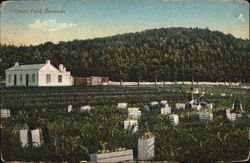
<point x="36" y="22"/>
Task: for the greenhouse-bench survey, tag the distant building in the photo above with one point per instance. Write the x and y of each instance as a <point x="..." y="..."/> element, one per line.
<point x="38" y="75"/>
<point x="92" y="80"/>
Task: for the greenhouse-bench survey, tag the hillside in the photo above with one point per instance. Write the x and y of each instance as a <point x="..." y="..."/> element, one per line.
<point x="158" y="54"/>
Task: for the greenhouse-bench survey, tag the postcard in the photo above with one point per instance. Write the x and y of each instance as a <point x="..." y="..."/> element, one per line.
<point x="125" y="80"/>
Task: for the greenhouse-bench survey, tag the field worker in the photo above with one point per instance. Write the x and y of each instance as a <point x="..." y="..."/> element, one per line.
<point x="237" y="107"/>
<point x="190" y="94"/>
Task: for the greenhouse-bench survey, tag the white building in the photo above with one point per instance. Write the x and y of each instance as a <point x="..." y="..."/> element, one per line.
<point x="37" y="75"/>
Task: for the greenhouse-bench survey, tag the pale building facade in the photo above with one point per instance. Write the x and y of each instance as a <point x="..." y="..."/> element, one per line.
<point x="38" y="75"/>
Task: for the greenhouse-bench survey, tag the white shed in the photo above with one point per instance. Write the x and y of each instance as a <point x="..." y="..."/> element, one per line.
<point x="38" y="75"/>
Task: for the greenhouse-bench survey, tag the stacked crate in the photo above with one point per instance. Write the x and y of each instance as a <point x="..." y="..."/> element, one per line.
<point x="173" y="119"/>
<point x="205" y="116"/>
<point x="230" y="116"/>
<point x="146" y="148"/>
<point x="36" y="138"/>
<point x="23" y="137"/>
<point x="166" y="110"/>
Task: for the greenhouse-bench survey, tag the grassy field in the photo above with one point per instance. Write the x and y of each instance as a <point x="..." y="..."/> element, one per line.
<point x="74" y="136"/>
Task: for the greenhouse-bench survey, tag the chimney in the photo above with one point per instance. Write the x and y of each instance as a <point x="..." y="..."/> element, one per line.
<point x="61" y="67"/>
<point x="16" y="64"/>
<point x="47" y="61"/>
<point x="64" y="69"/>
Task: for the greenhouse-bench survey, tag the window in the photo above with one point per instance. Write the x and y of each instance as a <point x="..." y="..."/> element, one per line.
<point x="33" y="78"/>
<point x="9" y="78"/>
<point x="48" y="78"/>
<point x="59" y="78"/>
<point x="21" y="77"/>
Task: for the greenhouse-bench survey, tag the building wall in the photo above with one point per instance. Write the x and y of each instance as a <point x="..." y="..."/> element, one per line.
<point x="67" y="79"/>
<point x="22" y="82"/>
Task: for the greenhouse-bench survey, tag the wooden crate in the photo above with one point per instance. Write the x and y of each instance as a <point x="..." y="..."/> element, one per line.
<point x="122" y="105"/>
<point x="223" y="94"/>
<point x="180" y="106"/>
<point x="131" y="125"/>
<point x="5" y="113"/>
<point x="85" y="108"/>
<point x="154" y="103"/>
<point x="35" y="137"/>
<point x="70" y="108"/>
<point x="132" y="109"/>
<point x="166" y="110"/>
<point x="23" y="137"/>
<point x="204" y="116"/>
<point x="209" y="106"/>
<point x="231" y="117"/>
<point x="146" y="148"/>
<point x="134" y="114"/>
<point x="126" y="155"/>
<point x="173" y="119"/>
<point x="196" y="107"/>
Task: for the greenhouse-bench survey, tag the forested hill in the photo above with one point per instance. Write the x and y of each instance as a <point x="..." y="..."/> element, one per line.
<point x="166" y="53"/>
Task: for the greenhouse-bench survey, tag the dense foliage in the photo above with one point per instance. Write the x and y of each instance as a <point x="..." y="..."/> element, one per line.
<point x="159" y="54"/>
<point x="75" y="135"/>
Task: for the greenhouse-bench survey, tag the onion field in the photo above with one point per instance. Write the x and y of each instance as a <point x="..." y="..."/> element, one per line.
<point x="74" y="136"/>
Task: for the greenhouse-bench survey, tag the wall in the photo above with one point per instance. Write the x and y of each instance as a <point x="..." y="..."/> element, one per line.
<point x="23" y="82"/>
<point x="67" y="79"/>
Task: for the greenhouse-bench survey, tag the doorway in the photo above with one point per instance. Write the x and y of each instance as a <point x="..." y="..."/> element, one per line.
<point x="15" y="80"/>
<point x="27" y="79"/>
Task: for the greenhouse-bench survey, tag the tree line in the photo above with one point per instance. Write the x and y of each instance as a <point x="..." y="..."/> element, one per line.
<point x="165" y="54"/>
